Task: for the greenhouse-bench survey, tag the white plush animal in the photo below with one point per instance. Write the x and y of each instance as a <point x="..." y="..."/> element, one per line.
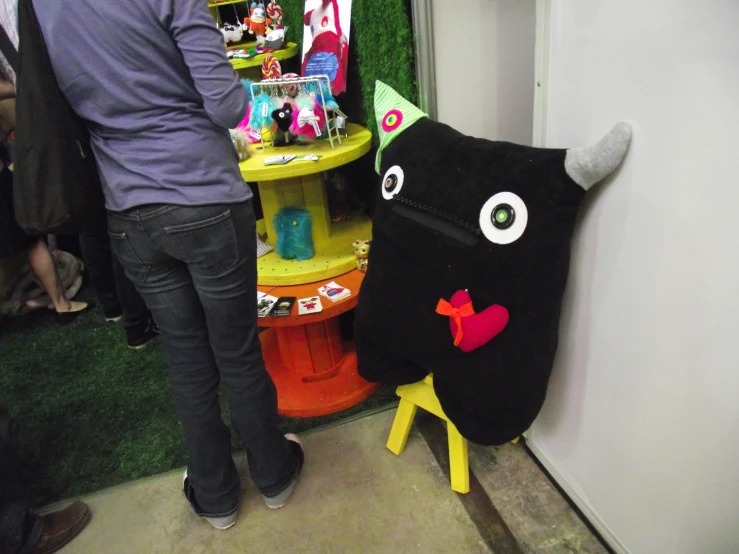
<point x="231" y="32"/>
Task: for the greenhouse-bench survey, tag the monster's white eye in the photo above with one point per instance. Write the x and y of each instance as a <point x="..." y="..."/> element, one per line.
<point x="392" y="182"/>
<point x="503" y="218"/>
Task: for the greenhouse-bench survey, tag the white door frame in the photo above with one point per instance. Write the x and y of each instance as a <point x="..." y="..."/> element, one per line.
<point x="541" y="95"/>
<point x="541" y="70"/>
<point x="423" y="32"/>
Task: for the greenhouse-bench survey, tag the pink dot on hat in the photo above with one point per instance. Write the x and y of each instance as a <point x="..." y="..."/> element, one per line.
<point x="392" y="120"/>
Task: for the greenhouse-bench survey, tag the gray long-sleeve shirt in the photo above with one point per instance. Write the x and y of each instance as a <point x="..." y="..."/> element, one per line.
<point x="152" y="79"/>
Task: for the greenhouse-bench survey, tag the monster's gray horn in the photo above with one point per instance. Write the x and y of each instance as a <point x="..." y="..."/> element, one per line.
<point x="588" y="165"/>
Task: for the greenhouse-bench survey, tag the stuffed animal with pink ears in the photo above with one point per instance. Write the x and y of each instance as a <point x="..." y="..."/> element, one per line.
<point x="309" y="121"/>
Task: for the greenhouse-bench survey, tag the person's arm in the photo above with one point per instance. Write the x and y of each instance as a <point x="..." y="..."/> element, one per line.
<point x="201" y="43"/>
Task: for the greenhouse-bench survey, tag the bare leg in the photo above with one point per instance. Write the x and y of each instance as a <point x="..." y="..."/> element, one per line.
<point x="44" y="268"/>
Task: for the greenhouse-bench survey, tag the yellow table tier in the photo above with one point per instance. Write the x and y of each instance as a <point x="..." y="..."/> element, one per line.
<point x="288" y="52"/>
<point x="356" y="145"/>
<point x="335" y="257"/>
<point x="225" y="3"/>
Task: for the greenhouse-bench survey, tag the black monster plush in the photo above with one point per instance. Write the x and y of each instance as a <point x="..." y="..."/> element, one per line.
<point x="469" y="261"/>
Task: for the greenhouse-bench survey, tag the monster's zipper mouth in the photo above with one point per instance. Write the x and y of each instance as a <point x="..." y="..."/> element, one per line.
<point x="437" y="220"/>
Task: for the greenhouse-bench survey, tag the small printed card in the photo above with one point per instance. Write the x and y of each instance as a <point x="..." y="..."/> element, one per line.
<point x="309" y="305"/>
<point x="283" y="306"/>
<point x="334" y="291"/>
<point x="265" y="305"/>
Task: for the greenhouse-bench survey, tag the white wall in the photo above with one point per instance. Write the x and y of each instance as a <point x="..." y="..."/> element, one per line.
<point x="484" y="65"/>
<point x="641" y="423"/>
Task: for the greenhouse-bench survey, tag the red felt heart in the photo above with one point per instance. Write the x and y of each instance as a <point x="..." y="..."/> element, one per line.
<point x="478" y="328"/>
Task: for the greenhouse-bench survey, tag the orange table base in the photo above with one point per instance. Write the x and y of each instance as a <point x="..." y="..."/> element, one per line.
<point x="314" y="371"/>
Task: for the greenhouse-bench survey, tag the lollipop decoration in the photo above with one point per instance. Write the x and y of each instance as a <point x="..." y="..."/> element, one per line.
<point x="291" y="89"/>
<point x="274" y="12"/>
<point x="271" y="68"/>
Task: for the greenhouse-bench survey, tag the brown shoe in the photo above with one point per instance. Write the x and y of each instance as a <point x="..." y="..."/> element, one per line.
<point x="60" y="527"/>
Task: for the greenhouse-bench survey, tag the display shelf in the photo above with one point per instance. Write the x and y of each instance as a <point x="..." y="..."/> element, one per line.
<point x="226" y="3"/>
<point x="299" y="184"/>
<point x="333" y="257"/>
<point x="290" y="50"/>
<point x="313" y="368"/>
<point x="356" y="145"/>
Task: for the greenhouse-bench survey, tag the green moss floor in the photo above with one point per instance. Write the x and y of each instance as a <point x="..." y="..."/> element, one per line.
<point x="89" y="413"/>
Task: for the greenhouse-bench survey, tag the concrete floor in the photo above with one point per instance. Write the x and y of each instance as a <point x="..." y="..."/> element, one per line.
<point x="354" y="497"/>
<point x="538" y="515"/>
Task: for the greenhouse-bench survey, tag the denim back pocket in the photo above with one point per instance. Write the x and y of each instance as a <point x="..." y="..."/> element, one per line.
<point x="136" y="270"/>
<point x="209" y="245"/>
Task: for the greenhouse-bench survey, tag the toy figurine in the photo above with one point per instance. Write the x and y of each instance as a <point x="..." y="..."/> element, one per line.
<point x="361" y="251"/>
<point x="231" y="32"/>
<point x="256" y="23"/>
<point x="274" y="40"/>
<point x="283" y="117"/>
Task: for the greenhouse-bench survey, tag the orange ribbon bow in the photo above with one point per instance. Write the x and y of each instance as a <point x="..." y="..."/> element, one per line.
<point x="465" y="310"/>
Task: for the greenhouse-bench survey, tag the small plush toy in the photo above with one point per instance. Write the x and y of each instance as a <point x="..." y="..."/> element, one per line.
<point x="240" y="140"/>
<point x="256" y="23"/>
<point x="361" y="251"/>
<point x="283" y="118"/>
<point x="231" y="33"/>
<point x="261" y="112"/>
<point x="309" y="121"/>
<point x="475" y="236"/>
<point x="274" y="40"/>
<point x="294" y="233"/>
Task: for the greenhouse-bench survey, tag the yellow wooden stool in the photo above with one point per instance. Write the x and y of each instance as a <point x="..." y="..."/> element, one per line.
<point x="422" y="395"/>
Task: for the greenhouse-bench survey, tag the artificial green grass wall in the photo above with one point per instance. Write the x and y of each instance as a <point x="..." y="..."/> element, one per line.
<point x="381" y="47"/>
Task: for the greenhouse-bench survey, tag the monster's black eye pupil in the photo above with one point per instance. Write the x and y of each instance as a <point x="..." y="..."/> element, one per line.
<point x="503" y="216"/>
<point x="391" y="182"/>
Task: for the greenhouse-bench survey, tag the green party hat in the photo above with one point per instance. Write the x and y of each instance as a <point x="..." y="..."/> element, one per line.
<point x="394" y="115"/>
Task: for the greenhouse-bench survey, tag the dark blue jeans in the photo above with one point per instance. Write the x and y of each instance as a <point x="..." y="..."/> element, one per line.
<point x="196" y="269"/>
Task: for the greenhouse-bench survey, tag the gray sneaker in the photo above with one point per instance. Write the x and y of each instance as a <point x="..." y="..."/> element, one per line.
<point x="219" y="522"/>
<point x="279" y="500"/>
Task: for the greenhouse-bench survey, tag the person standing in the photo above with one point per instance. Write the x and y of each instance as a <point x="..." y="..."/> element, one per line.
<point x="116" y="294"/>
<point x="13" y="240"/>
<point x="152" y="80"/>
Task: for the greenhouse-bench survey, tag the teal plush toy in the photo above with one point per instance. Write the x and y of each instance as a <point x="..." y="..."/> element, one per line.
<point x="294" y="234"/>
